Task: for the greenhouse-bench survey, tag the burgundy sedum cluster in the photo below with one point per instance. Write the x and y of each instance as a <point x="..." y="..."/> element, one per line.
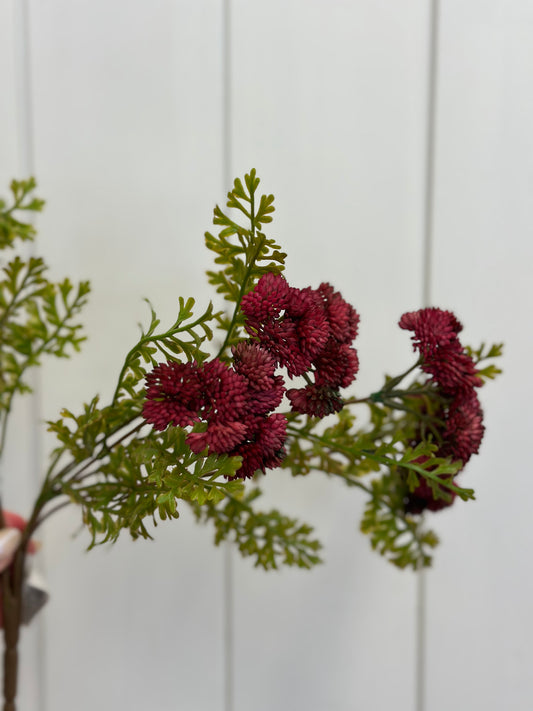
<point x="230" y="406"/>
<point x="454" y="374"/>
<point x="307" y="331"/>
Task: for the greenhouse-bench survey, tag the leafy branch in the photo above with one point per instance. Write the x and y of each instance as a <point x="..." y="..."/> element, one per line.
<point x="121" y="473"/>
<point x="483" y="353"/>
<point x="272" y="538"/>
<point x="245" y="254"/>
<point x="398" y="537"/>
<point x="379" y="452"/>
<point x="10" y="227"/>
<point x="183" y="337"/>
<point x="37" y="316"/>
<point x="143" y="477"/>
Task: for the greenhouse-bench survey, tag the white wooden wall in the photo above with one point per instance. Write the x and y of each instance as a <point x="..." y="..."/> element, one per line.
<point x="133" y="114"/>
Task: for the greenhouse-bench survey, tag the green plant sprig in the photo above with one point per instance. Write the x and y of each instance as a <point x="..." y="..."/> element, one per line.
<point x="245" y="255"/>
<point x="272" y="538"/>
<point x="122" y="473"/>
<point x="181" y="338"/>
<point x="12" y="229"/>
<point x="379" y="451"/>
<point x="37" y="316"/>
<point x="483" y="353"/>
<point x="100" y="476"/>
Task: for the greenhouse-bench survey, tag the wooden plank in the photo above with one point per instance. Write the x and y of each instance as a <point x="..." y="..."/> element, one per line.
<point x="128" y="157"/>
<point x="480" y="616"/>
<point x="329" y="106"/>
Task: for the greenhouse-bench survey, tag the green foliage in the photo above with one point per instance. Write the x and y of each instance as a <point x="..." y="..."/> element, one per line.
<point x="11" y="228"/>
<point x="171" y="464"/>
<point x="438" y="472"/>
<point x="37" y="316"/>
<point x="122" y="473"/>
<point x="376" y="460"/>
<point x="243" y="253"/>
<point x="185" y="337"/>
<point x="483" y="353"/>
<point x="396" y="536"/>
<point x="119" y="484"/>
<point x="271" y="538"/>
<point x="379" y="460"/>
<point x="339" y="449"/>
<point x="127" y="482"/>
<point x="84" y="437"/>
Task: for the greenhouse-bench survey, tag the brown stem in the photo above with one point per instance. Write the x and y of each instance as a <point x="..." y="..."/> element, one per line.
<point x="12" y="579"/>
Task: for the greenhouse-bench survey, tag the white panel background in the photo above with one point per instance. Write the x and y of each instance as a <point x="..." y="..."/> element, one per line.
<point x="482" y="269"/>
<point x="328" y="101"/>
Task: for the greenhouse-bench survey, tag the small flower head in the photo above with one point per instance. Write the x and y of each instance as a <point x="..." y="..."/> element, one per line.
<point x="265" y="389"/>
<point x="181" y="394"/>
<point x="174" y="395"/>
<point x="289" y="323"/>
<point x="315" y="400"/>
<point x="266" y="301"/>
<point x="336" y="366"/>
<point x="432" y="328"/>
<point x="464" y="428"/>
<point x="310" y="330"/>
<point x="219" y="436"/>
<point x="422" y="498"/>
<point x="225" y="392"/>
<point x="443" y="357"/>
<point x="343" y="319"/>
<point x="452" y="369"/>
<point x="263" y="445"/>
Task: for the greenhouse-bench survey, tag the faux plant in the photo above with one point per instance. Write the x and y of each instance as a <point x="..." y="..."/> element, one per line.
<point x="206" y="406"/>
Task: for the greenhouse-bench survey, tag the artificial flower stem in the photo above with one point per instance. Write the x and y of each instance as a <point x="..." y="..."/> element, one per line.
<point x="12" y="579"/>
<point x="393" y="382"/>
<point x="35" y="356"/>
<point x="105" y="448"/>
<point x="150" y="338"/>
<point x="425" y="473"/>
<point x="357" y="401"/>
<point x="260" y="240"/>
<point x="317" y="438"/>
<point x="242" y="291"/>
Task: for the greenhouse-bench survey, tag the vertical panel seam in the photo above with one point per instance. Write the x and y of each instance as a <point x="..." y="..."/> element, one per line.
<point x="429" y="178"/>
<point x="228" y="648"/>
<point x="24" y="109"/>
<point x="23" y="85"/>
<point x="428" y="236"/>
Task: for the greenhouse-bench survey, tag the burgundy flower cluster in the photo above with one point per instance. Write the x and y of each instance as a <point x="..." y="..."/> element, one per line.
<point x="454" y="373"/>
<point x="230" y="406"/>
<point x="309" y="332"/>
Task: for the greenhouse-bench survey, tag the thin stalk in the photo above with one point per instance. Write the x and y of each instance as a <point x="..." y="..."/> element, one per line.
<point x="93" y="459"/>
<point x="12" y="579"/>
<point x="31" y="361"/>
<point x="425" y="473"/>
<point x="149" y="338"/>
<point x="357" y="400"/>
<point x="349" y="454"/>
<point x="246" y="276"/>
<point x="13" y="304"/>
<point x="393" y="382"/>
<point x="51" y="512"/>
